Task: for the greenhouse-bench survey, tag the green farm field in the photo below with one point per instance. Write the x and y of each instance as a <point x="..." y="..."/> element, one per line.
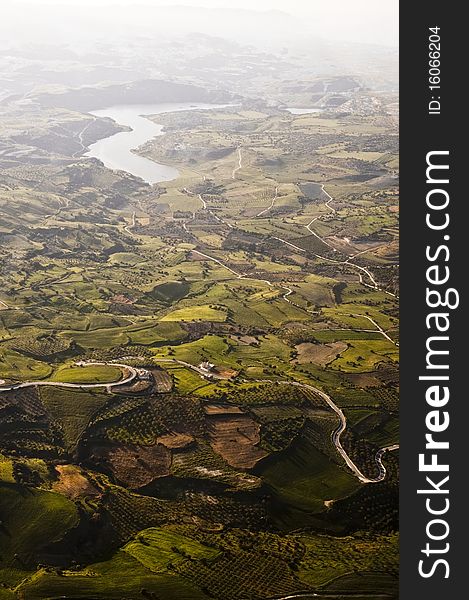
<point x="198" y="374"/>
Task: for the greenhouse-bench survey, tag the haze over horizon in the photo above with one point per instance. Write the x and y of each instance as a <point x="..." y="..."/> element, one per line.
<point x="363" y="21"/>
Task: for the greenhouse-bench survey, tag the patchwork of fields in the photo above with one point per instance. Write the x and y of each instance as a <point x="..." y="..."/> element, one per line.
<point x="271" y="259"/>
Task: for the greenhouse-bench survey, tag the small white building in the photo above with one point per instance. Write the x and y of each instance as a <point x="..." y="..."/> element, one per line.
<point x="144" y="374"/>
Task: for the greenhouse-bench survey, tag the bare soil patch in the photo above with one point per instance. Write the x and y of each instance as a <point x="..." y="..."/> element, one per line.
<point x="135" y="388"/>
<point x="135" y="466"/>
<point x="225" y="372"/>
<point x="383" y="375"/>
<point x="175" y="440"/>
<point x="235" y="439"/>
<point x="72" y="483"/>
<point x="163" y="381"/>
<point x="319" y="354"/>
<point x="245" y="340"/>
<point x="222" y="409"/>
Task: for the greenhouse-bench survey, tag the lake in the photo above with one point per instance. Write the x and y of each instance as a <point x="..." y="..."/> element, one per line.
<point x="118" y="150"/>
<point x="303" y="111"/>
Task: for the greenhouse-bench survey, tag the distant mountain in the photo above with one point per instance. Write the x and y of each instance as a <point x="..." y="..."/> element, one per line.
<point x="140" y="92"/>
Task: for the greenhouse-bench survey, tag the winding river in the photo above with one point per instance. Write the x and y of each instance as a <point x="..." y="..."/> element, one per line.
<point x="117" y="151"/>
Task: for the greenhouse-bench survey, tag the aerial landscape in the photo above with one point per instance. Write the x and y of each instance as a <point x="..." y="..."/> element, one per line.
<point x="199" y="318"/>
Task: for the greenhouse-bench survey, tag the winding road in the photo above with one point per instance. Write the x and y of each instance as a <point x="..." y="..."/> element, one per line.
<point x="271" y="204"/>
<point x="308" y="226"/>
<point x="335" y="435"/>
<point x="128" y="228"/>
<point x="288" y="290"/>
<point x="80" y="137"/>
<point x="125" y="379"/>
<point x="373" y="285"/>
<point x="378" y="329"/>
<point x="240" y="164"/>
<point x="347" y="262"/>
<point x="130" y="374"/>
<point x="205" y="207"/>
<point x="339" y="431"/>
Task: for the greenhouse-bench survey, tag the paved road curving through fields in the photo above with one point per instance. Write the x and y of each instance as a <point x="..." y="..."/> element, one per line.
<point x="336" y="434"/>
<point x="373" y="285"/>
<point x="125" y="379"/>
<point x="272" y="203"/>
<point x="132" y="374"/>
<point x="240" y="164"/>
<point x="339" y="431"/>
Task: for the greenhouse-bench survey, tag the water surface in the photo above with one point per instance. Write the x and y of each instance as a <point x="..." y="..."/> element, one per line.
<point x="117" y="150"/>
<point x="302" y="111"/>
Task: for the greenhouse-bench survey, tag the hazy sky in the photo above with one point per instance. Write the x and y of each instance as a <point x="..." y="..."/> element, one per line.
<point x="370" y="21"/>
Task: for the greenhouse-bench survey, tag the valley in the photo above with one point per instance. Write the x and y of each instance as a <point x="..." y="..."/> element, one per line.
<point x="199" y="357"/>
